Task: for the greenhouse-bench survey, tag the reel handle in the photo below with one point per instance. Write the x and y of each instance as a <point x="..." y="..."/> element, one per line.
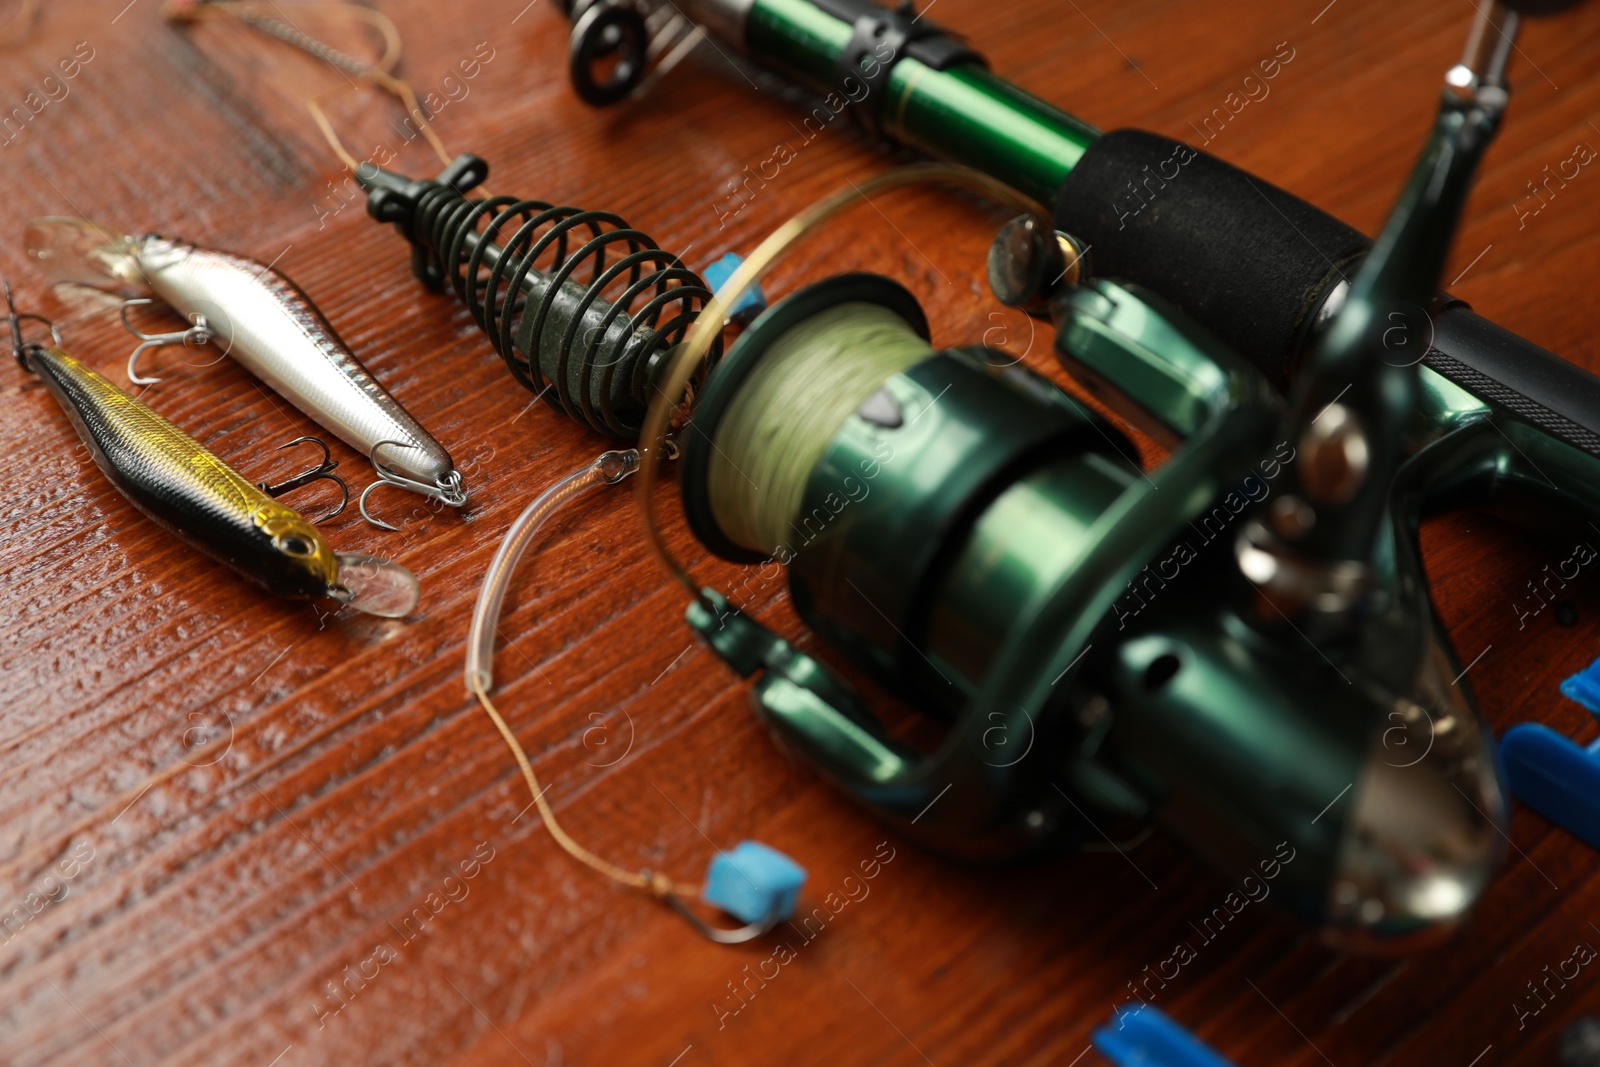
<point x="1355" y="404"/>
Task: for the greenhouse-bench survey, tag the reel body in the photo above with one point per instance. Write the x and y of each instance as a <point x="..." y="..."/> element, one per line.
<point x="1009" y="568"/>
<point x="1283" y="699"/>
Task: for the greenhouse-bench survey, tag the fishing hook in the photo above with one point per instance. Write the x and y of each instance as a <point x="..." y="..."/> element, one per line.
<point x="199" y="333"/>
<point x="19" y="349"/>
<point x="447" y="491"/>
<point x="321" y="471"/>
<point x="720" y="934"/>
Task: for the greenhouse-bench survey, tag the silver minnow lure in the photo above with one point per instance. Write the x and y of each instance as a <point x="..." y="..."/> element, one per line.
<point x="266" y="323"/>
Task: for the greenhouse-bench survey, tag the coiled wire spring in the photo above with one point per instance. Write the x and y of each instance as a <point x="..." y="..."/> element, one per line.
<point x="577" y="303"/>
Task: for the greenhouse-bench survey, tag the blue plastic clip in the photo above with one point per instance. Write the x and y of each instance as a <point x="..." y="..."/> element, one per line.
<point x="1584" y="687"/>
<point x="753" y="883"/>
<point x="1555" y="777"/>
<point x="1141" y="1036"/>
<point x="751" y="303"/>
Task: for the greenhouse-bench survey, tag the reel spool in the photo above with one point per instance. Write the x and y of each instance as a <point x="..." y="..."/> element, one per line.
<point x="577" y="303"/>
<point x="876" y="457"/>
<point x="999" y="562"/>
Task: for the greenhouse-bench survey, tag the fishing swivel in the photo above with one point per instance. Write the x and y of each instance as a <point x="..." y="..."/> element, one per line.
<point x="197" y="334"/>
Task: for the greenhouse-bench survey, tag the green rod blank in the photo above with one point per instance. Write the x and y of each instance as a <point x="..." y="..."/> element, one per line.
<point x="964" y="114"/>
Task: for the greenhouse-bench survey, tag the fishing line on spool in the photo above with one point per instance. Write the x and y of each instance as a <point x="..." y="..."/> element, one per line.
<point x="794" y="401"/>
<point x="759" y="519"/>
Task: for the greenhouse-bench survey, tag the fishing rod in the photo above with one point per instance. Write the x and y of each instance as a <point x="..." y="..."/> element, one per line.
<point x="1257" y="266"/>
<point x="1239" y="645"/>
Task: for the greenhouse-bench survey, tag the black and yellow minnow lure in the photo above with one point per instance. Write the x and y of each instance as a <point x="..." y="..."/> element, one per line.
<point x="190" y="492"/>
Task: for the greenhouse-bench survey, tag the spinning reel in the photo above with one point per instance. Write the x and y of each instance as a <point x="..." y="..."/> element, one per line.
<point x="1239" y="644"/>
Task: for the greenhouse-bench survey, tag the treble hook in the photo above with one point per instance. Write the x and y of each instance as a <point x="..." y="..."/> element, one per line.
<point x="323" y="470"/>
<point x="15" y="319"/>
<point x="447" y="491"/>
<point x="199" y="333"/>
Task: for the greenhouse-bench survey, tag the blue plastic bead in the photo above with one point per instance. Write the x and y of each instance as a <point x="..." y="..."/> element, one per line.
<point x="753" y="883"/>
<point x="1140" y="1036"/>
<point x="753" y="301"/>
<point x="1584" y="687"/>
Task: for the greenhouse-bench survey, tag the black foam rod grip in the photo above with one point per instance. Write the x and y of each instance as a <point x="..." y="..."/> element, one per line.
<point x="1250" y="261"/>
<point x="1253" y="264"/>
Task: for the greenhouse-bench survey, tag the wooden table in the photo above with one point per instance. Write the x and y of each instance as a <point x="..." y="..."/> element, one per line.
<point x="293" y="839"/>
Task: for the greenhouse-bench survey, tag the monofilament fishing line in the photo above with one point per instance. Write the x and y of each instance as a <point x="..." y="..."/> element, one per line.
<point x="780" y="423"/>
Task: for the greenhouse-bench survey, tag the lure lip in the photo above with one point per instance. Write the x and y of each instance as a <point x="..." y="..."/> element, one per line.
<point x="374" y="585"/>
<point x="79" y="251"/>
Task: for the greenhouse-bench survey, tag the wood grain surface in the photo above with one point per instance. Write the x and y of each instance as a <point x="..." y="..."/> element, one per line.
<point x="268" y="834"/>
